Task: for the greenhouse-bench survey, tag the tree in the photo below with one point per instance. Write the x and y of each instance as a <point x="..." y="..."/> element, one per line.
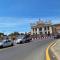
<point x="14" y="35"/>
<point x="21" y="33"/>
<point x="11" y="34"/>
<point x="1" y="35"/>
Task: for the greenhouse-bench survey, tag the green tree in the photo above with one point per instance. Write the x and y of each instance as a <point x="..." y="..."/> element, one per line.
<point x="13" y="35"/>
<point x="1" y="35"/>
<point x="16" y="33"/>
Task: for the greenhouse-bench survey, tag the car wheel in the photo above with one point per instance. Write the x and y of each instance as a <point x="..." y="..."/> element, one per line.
<point x="12" y="44"/>
<point x="21" y="42"/>
<point x="26" y="41"/>
<point x="1" y="46"/>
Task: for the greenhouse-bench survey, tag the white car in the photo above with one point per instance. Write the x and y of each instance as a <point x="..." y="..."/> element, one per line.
<point x="18" y="41"/>
<point x="23" y="39"/>
<point x="6" y="43"/>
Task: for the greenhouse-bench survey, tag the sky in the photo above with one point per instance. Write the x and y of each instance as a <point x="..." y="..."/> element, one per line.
<point x="16" y="15"/>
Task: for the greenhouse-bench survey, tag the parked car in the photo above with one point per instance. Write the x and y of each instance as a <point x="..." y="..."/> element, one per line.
<point x="57" y="36"/>
<point x="19" y="40"/>
<point x="23" y="39"/>
<point x="6" y="43"/>
<point x="27" y="38"/>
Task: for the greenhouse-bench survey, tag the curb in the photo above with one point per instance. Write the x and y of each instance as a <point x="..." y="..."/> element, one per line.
<point x="47" y="51"/>
<point x="53" y="52"/>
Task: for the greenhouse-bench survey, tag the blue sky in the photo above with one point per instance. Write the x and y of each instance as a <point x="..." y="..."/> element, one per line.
<point x="16" y="15"/>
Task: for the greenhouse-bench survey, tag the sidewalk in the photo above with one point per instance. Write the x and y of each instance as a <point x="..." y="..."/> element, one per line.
<point x="56" y="49"/>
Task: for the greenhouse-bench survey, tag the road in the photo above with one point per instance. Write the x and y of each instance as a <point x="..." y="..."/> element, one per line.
<point x="34" y="50"/>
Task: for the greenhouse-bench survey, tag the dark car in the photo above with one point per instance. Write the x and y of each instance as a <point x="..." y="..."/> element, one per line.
<point x="27" y="38"/>
<point x="57" y="36"/>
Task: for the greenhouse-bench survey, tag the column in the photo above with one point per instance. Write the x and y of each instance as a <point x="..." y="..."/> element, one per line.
<point x="43" y="30"/>
<point x="37" y="30"/>
<point x="32" y="31"/>
<point x="47" y="29"/>
<point x="50" y="28"/>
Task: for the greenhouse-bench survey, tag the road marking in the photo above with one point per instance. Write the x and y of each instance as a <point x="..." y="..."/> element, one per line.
<point x="47" y="53"/>
<point x="53" y="45"/>
<point x="55" y="54"/>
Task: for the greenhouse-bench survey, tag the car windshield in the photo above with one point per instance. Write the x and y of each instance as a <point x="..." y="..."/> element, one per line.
<point x="2" y="40"/>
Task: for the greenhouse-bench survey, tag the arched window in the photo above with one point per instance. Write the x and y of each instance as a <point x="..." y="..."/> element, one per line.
<point x="40" y="29"/>
<point x="48" y="27"/>
<point x="48" y="33"/>
<point x="45" y="32"/>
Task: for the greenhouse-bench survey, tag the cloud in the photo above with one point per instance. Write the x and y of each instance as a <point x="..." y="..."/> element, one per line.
<point x="11" y="24"/>
<point x="8" y="24"/>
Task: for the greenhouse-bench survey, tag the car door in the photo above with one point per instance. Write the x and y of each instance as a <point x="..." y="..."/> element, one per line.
<point x="8" y="42"/>
<point x="5" y="44"/>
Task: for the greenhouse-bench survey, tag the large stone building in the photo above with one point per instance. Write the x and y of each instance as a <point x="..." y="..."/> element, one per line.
<point x="41" y="27"/>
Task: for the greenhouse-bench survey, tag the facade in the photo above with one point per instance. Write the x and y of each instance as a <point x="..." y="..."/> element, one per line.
<point x="44" y="28"/>
<point x="41" y="27"/>
<point x="57" y="28"/>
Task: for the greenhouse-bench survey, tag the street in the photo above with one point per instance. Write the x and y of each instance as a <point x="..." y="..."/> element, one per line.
<point x="34" y="50"/>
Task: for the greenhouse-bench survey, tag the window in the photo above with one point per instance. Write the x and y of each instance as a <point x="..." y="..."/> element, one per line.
<point x="36" y="33"/>
<point x="8" y="41"/>
<point x="41" y="33"/>
<point x="45" y="28"/>
<point x="48" y="27"/>
<point x="36" y="29"/>
<point x="33" y="33"/>
<point x="40" y="29"/>
<point x="48" y="32"/>
<point x="45" y="32"/>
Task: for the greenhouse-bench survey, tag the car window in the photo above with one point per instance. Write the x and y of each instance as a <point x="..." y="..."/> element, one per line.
<point x="8" y="41"/>
<point x="5" y="42"/>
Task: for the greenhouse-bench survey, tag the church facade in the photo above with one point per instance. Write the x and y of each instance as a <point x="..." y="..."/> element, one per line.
<point x="44" y="27"/>
<point x="41" y="27"/>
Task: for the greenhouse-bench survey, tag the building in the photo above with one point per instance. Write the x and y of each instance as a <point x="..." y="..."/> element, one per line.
<point x="56" y="29"/>
<point x="44" y="27"/>
<point x="41" y="27"/>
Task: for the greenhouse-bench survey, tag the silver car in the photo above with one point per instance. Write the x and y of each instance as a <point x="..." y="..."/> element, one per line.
<point x="6" y="43"/>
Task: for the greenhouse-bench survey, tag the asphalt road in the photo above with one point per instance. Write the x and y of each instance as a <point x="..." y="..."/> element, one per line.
<point x="34" y="50"/>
